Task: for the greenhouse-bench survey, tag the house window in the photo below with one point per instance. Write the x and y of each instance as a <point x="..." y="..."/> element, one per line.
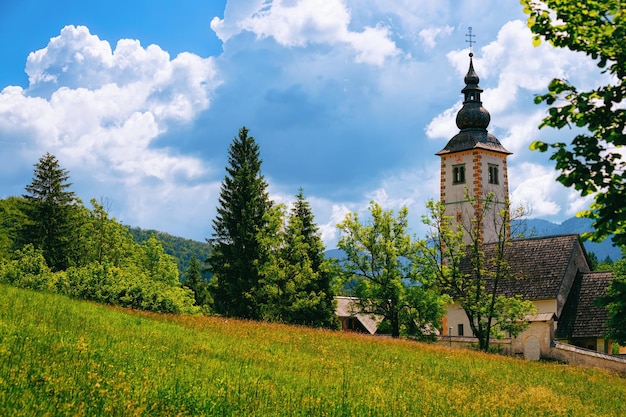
<point x="460" y="329"/>
<point x="493" y="174"/>
<point x="458" y="171"/>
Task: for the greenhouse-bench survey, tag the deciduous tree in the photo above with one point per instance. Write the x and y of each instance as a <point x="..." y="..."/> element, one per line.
<point x="593" y="163"/>
<point x="12" y="219"/>
<point x="471" y="273"/>
<point x="383" y="260"/>
<point x="615" y="302"/>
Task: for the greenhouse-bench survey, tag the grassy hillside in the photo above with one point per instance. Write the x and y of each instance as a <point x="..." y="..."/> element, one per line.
<point x="64" y="357"/>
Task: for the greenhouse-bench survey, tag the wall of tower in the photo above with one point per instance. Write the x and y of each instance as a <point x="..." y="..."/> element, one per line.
<point x="484" y="172"/>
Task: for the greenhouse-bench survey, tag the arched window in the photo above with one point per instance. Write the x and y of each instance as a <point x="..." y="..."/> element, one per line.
<point x="458" y="172"/>
<point x="493" y="174"/>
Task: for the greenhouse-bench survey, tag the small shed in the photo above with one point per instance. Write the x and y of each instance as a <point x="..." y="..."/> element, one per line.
<point x="352" y="320"/>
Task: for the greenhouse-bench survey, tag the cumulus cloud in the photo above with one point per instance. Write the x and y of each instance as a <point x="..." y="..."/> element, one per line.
<point x="443" y="126"/>
<point x="339" y="95"/>
<point x="296" y="23"/>
<point x="536" y="189"/>
<point x="100" y="111"/>
<point x="429" y="36"/>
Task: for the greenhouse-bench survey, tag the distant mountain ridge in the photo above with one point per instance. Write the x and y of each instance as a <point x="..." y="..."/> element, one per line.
<point x="540" y="228"/>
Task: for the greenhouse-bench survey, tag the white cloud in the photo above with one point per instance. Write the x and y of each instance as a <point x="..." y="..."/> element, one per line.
<point x="521" y="130"/>
<point x="328" y="229"/>
<point x="296" y="23"/>
<point x="444" y="124"/>
<point x="536" y="189"/>
<point x="429" y="35"/>
<point x="100" y="111"/>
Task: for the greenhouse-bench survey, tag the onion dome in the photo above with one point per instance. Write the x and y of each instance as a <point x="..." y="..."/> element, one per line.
<point x="472" y="120"/>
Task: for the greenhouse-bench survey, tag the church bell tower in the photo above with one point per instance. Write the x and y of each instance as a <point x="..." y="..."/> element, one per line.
<point x="473" y="164"/>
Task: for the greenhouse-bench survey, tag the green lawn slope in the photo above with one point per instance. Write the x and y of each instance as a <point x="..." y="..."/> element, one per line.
<point x="64" y="357"/>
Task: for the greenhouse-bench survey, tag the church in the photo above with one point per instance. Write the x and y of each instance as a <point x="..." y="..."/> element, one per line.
<point x="553" y="272"/>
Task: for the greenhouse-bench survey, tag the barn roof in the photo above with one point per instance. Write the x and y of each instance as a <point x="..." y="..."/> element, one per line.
<point x="347" y="307"/>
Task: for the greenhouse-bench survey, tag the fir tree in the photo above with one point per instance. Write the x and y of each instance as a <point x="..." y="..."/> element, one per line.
<point x="305" y="252"/>
<point x="52" y="215"/>
<point x="236" y="253"/>
<point x="196" y="283"/>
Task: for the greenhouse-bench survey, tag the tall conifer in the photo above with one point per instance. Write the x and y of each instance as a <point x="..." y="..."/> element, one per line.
<point x="304" y="248"/>
<point x="51" y="213"/>
<point x="236" y="253"/>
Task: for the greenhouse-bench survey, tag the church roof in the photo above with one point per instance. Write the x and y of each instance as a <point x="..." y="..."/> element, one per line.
<point x="472" y="120"/>
<point x="538" y="266"/>
<point x="473" y="139"/>
<point x="581" y="318"/>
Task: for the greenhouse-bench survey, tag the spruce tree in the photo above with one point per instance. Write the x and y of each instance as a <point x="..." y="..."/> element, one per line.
<point x="52" y="215"/>
<point x="236" y="253"/>
<point x="196" y="283"/>
<point x="304" y="252"/>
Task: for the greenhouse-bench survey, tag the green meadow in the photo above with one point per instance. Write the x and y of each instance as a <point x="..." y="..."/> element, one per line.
<point x="60" y="356"/>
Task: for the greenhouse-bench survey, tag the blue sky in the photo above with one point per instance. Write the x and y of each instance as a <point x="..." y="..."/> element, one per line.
<point x="349" y="99"/>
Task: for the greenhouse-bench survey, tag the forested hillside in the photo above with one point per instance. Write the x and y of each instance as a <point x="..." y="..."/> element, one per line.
<point x="50" y="241"/>
<point x="182" y="249"/>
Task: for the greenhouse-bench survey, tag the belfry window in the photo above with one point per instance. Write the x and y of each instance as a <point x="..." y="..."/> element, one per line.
<point x="493" y="174"/>
<point x="458" y="172"/>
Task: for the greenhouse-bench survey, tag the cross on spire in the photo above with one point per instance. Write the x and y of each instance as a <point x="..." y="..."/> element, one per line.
<point x="470" y="38"/>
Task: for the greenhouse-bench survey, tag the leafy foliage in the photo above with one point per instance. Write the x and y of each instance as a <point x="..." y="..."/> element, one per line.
<point x="237" y="254"/>
<point x="383" y="260"/>
<point x="144" y="278"/>
<point x="11" y="220"/>
<point x="615" y="302"/>
<point x="592" y="163"/>
<point x="93" y="256"/>
<point x="469" y="273"/>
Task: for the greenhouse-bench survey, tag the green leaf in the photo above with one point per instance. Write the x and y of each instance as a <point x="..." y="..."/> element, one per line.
<point x="538" y="146"/>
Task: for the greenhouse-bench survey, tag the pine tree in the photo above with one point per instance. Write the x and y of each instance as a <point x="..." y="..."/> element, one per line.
<point x="236" y="253"/>
<point x="52" y="214"/>
<point x="304" y="251"/>
<point x="196" y="283"/>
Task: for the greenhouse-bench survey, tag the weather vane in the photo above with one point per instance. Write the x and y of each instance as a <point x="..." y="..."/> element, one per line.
<point x="470" y="38"/>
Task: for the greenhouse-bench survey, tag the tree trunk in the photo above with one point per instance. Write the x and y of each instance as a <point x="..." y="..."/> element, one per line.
<point x="395" y="325"/>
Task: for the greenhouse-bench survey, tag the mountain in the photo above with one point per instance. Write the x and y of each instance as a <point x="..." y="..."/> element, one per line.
<point x="180" y="248"/>
<point x="539" y="228"/>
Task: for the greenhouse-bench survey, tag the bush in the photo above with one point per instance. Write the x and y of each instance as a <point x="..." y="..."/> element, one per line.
<point x="128" y="287"/>
<point x="28" y="269"/>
